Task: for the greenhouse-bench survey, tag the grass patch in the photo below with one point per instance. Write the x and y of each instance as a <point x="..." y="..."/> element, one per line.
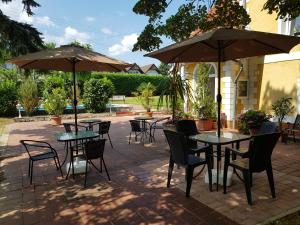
<point x="291" y="219"/>
<point x="134" y="101"/>
<point x="3" y="123"/>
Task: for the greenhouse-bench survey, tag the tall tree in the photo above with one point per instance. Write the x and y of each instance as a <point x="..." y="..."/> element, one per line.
<point x="18" y="38"/>
<point x="192" y="15"/>
<point x="285" y="9"/>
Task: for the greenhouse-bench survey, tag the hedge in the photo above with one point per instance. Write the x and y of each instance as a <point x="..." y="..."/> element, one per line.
<point x="125" y="84"/>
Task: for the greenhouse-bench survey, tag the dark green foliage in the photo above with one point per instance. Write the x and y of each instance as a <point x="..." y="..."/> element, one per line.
<point x="52" y="82"/>
<point x="282" y="107"/>
<point x="28" y="96"/>
<point x="8" y="98"/>
<point x="252" y="119"/>
<point x="190" y="16"/>
<point x="164" y="69"/>
<point x="97" y="93"/>
<point x="125" y="84"/>
<point x="288" y="9"/>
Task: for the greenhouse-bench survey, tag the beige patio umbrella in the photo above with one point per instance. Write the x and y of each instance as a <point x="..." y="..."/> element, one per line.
<point x="224" y="44"/>
<point x="69" y="58"/>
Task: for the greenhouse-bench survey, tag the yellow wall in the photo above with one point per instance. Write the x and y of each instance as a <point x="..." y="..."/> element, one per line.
<point x="278" y="80"/>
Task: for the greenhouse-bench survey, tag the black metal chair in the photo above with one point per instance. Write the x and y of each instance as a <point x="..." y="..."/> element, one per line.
<point x="188" y="128"/>
<point x="157" y="124"/>
<point x="179" y="154"/>
<point x="70" y="127"/>
<point x="45" y="151"/>
<point x="94" y="150"/>
<point x="136" y="128"/>
<point x="293" y="128"/>
<point x="103" y="128"/>
<point x="258" y="160"/>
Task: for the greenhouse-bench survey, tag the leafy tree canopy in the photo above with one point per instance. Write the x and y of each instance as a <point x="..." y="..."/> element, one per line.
<point x="285" y="9"/>
<point x="18" y="38"/>
<point x="201" y="15"/>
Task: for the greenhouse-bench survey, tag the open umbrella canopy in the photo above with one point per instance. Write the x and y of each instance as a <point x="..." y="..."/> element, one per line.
<point x="224" y="44"/>
<point x="63" y="58"/>
<point x="233" y="43"/>
<point x="69" y="58"/>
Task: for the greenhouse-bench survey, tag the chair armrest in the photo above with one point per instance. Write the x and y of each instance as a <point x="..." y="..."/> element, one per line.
<point x="236" y="151"/>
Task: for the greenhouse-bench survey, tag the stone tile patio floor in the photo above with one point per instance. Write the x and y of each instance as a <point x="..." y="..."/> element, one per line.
<point x="137" y="193"/>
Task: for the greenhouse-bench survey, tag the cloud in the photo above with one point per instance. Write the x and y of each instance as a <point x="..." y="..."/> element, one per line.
<point x="15" y="11"/>
<point x="89" y="19"/>
<point x="45" y="20"/>
<point x="126" y="45"/>
<point x="70" y="34"/>
<point x="106" y="30"/>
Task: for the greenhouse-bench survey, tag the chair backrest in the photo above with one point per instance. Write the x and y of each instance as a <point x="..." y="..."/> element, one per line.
<point x="188" y="127"/>
<point x="260" y="151"/>
<point x="70" y="127"/>
<point x="135" y="125"/>
<point x="103" y="127"/>
<point x="178" y="146"/>
<point x="296" y="125"/>
<point x="268" y="127"/>
<point x="94" y="149"/>
<point x="33" y="147"/>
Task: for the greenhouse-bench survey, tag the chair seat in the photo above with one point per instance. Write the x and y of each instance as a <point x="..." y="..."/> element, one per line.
<point x="195" y="161"/>
<point x="46" y="155"/>
<point x="241" y="164"/>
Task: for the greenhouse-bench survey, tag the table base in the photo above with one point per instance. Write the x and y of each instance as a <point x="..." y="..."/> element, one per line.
<point x="79" y="166"/>
<point x="214" y="177"/>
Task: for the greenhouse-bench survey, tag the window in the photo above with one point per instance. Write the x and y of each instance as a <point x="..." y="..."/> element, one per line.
<point x="289" y="27"/>
<point x="242" y="89"/>
<point x="296" y="26"/>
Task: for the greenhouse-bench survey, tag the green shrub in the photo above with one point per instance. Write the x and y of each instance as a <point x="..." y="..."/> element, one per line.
<point x="28" y="95"/>
<point x="8" y="98"/>
<point x="52" y="82"/>
<point x="126" y="84"/>
<point x="144" y="95"/>
<point x="56" y="103"/>
<point x="251" y="119"/>
<point x="97" y="93"/>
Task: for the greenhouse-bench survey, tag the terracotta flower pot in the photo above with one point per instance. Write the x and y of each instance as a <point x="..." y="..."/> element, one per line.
<point x="56" y="120"/>
<point x="204" y="124"/>
<point x="150" y="114"/>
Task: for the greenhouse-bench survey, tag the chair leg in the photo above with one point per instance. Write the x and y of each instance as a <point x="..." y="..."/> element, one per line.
<point x="189" y="178"/>
<point x="100" y="165"/>
<point x="246" y="175"/>
<point x="29" y="165"/>
<point x="225" y="177"/>
<point x="55" y="163"/>
<point x="59" y="167"/>
<point x="271" y="180"/>
<point x="31" y="172"/>
<point x="110" y="141"/>
<point x="129" y="138"/>
<point x="208" y="156"/>
<point x="105" y="169"/>
<point x="85" y="175"/>
<point x="171" y="166"/>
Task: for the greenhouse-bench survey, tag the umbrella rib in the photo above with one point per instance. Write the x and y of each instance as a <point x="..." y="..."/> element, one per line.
<point x="26" y="64"/>
<point x="180" y="53"/>
<point x="268" y="45"/>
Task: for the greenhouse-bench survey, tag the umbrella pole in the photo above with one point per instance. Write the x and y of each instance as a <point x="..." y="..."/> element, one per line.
<point x="219" y="96"/>
<point x="75" y="98"/>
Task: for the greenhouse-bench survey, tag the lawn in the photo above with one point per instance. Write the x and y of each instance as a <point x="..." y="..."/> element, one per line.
<point x="134" y="101"/>
<point x="3" y="123"/>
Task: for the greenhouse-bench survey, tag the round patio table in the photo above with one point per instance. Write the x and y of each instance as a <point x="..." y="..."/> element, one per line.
<point x="90" y="122"/>
<point x="143" y="119"/>
<point x="70" y="137"/>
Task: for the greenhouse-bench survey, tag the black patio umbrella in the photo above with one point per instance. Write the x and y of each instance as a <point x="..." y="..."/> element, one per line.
<point x="224" y="44"/>
<point x="69" y="58"/>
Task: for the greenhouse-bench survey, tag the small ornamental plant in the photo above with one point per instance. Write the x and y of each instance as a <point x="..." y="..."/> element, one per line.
<point x="252" y="119"/>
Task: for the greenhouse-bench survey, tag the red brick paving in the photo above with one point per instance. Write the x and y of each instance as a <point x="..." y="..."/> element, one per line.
<point x="134" y="196"/>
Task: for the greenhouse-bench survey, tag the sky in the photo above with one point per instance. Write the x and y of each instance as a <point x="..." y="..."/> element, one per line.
<point x="111" y="27"/>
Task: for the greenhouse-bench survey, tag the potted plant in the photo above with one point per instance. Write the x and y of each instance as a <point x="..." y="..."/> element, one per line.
<point x="282" y="107"/>
<point x="204" y="104"/>
<point x="55" y="105"/>
<point x="251" y="121"/>
<point x="144" y="95"/>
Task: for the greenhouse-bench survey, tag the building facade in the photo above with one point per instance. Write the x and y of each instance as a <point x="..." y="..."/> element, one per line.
<point x="257" y="82"/>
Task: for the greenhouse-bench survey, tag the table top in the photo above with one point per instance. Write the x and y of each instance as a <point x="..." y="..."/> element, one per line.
<point x="225" y="138"/>
<point x="72" y="136"/>
<point x="143" y="118"/>
<point x="90" y="120"/>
